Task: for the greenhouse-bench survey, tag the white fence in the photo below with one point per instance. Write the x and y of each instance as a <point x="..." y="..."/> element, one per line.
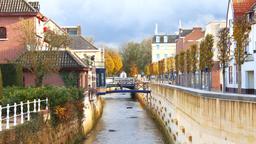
<point x="12" y="115"/>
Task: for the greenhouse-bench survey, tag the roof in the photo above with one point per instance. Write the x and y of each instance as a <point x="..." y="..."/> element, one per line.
<point x="65" y="59"/>
<point x="171" y="38"/>
<point x="80" y="43"/>
<point x="242" y="7"/>
<point x="17" y="6"/>
<point x="184" y="32"/>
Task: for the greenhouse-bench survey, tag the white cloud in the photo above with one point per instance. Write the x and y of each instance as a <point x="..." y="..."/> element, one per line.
<point x="116" y="21"/>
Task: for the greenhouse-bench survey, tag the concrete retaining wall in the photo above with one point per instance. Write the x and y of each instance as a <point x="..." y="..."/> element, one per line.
<point x="199" y="117"/>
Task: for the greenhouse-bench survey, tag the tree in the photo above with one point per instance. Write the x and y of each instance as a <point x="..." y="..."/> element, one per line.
<point x="136" y="53"/>
<point x="208" y="43"/>
<point x="194" y="60"/>
<point x="118" y="64"/>
<point x="241" y="30"/>
<point x="134" y="70"/>
<point x="202" y="61"/>
<point x="109" y="64"/>
<point x="182" y="65"/>
<point x="41" y="51"/>
<point x="188" y="66"/>
<point x="177" y="69"/>
<point x="147" y="70"/>
<point x="224" y="53"/>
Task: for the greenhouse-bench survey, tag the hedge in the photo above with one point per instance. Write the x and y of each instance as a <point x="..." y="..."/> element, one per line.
<point x="12" y="75"/>
<point x="64" y="103"/>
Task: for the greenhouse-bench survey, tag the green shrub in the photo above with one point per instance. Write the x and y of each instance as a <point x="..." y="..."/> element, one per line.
<point x="1" y="85"/>
<point x="12" y="75"/>
<point x="69" y="99"/>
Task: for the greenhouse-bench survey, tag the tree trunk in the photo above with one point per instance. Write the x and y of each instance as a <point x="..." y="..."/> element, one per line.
<point x="239" y="90"/>
<point x="223" y="80"/>
<point x="39" y="80"/>
<point x="209" y="80"/>
<point x="201" y="79"/>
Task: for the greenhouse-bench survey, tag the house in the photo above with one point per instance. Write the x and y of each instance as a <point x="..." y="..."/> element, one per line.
<point x="86" y="50"/>
<point x="187" y="38"/>
<point x="163" y="46"/>
<point x="70" y="70"/>
<point x="238" y="8"/>
<point x="12" y="49"/>
<point x="11" y="13"/>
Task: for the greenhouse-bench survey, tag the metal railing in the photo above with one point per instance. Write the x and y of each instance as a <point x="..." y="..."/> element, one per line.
<point x="12" y="115"/>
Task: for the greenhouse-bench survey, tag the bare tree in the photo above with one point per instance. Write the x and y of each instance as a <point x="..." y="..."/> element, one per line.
<point x="224" y="53"/>
<point x="41" y="55"/>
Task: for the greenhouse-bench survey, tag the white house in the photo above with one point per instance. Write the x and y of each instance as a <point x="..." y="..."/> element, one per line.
<point x="238" y="8"/>
<point x="163" y="46"/>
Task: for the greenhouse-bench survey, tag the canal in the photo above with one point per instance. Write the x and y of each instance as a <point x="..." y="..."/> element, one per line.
<point x="124" y="122"/>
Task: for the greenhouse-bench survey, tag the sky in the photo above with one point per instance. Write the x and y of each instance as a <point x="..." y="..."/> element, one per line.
<point x="114" y="22"/>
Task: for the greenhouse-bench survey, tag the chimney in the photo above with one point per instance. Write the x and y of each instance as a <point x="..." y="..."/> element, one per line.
<point x="156" y="29"/>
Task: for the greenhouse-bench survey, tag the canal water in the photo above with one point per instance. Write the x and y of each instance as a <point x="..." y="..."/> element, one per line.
<point x="124" y="122"/>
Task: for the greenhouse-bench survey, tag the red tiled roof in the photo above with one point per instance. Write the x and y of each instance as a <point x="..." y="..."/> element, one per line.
<point x="242" y="6"/>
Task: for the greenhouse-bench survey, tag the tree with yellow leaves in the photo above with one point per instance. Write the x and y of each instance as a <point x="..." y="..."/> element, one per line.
<point x="118" y="64"/>
<point x="109" y="64"/>
<point x="133" y="70"/>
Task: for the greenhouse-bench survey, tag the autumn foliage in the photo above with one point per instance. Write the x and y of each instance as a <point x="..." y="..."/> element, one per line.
<point x="113" y="62"/>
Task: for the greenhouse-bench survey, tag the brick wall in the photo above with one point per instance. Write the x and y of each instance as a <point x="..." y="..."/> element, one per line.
<point x="11" y="47"/>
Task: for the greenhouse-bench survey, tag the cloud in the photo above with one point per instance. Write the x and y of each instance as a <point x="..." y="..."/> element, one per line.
<point x="118" y="21"/>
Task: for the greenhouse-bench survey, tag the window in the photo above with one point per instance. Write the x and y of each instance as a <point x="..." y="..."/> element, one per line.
<point x="165" y="39"/>
<point x="158" y="47"/>
<point x="236" y="74"/>
<point x="158" y="39"/>
<point x="230" y="75"/>
<point x="3" y="33"/>
<point x="158" y="56"/>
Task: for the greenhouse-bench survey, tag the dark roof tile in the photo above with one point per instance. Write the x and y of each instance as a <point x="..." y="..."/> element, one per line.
<point x="171" y="38"/>
<point x="16" y="6"/>
<point x="80" y="43"/>
<point x="65" y="59"/>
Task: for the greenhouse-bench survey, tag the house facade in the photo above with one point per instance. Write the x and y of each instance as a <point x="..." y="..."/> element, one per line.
<point x="10" y="33"/>
<point x="86" y="50"/>
<point x="163" y="46"/>
<point x="238" y="8"/>
<point x="12" y="48"/>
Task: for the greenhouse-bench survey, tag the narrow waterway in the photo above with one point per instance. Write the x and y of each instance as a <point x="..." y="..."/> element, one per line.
<point x="124" y="122"/>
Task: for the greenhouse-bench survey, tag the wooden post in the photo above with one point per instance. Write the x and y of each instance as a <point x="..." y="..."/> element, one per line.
<point x="34" y="106"/>
<point x="21" y="113"/>
<point x="39" y="101"/>
<point x="15" y="115"/>
<point x="8" y="117"/>
<point x="28" y="110"/>
<point x="46" y="104"/>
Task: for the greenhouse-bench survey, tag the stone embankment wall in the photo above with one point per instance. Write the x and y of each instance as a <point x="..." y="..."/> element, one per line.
<point x="200" y="117"/>
<point x="38" y="131"/>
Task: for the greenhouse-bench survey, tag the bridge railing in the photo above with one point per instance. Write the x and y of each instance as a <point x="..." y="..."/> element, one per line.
<point x="18" y="113"/>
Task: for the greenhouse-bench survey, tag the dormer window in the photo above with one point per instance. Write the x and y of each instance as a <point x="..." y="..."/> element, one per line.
<point x="165" y="39"/>
<point x="3" y="33"/>
<point x="158" y="39"/>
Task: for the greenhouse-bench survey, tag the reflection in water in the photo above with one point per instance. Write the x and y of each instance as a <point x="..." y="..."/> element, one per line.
<point x="124" y="122"/>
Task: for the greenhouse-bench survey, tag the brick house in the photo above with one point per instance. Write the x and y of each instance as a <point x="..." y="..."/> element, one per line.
<point x="188" y="39"/>
<point x="11" y="13"/>
<point x="12" y="49"/>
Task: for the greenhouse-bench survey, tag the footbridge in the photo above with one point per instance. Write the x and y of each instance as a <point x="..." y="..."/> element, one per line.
<point x="125" y="85"/>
